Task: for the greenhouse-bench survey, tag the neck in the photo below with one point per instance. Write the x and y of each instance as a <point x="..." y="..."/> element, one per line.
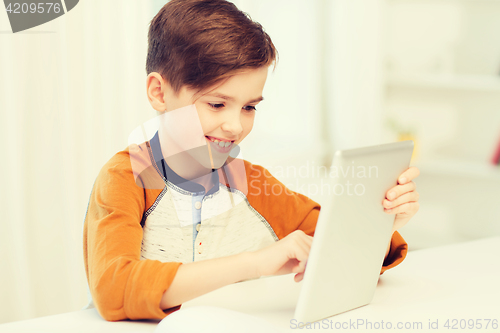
<point x="186" y="166"/>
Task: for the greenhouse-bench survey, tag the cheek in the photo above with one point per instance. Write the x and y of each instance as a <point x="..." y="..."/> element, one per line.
<point x="247" y="124"/>
<point x="206" y="119"/>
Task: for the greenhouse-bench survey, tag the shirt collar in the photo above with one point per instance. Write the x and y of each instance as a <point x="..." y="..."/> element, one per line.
<point x="173" y="177"/>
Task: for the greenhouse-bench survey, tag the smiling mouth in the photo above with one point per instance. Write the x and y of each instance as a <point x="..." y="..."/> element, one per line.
<point x="221" y="143"/>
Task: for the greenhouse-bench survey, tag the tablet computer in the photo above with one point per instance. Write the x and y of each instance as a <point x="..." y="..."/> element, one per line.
<point x="352" y="232"/>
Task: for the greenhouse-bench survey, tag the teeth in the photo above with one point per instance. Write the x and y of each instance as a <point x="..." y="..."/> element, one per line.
<point x="221" y="144"/>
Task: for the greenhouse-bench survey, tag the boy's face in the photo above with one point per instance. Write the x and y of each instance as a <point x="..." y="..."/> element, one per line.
<point x="226" y="111"/>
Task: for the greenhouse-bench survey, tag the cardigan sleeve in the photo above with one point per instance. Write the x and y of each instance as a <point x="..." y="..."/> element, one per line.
<point x="276" y="203"/>
<point x="122" y="285"/>
<point x="397" y="252"/>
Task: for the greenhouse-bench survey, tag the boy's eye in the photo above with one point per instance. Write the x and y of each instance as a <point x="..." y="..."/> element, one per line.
<point x="216" y="105"/>
<point x="249" y="108"/>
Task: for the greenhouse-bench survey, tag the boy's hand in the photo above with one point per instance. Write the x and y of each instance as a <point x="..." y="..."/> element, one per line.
<point x="402" y="199"/>
<point x="288" y="255"/>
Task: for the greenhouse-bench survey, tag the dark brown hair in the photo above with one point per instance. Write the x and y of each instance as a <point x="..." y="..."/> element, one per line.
<point x="200" y="42"/>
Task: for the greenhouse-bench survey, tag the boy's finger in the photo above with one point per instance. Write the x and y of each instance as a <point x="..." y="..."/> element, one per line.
<point x="301" y="253"/>
<point x="308" y="240"/>
<point x="398" y="190"/>
<point x="305" y="243"/>
<point x="300" y="267"/>
<point x="398" y="209"/>
<point x="410" y="174"/>
<point x="409" y="208"/>
<point x="406" y="197"/>
<point x="296" y="268"/>
<point x="298" y="277"/>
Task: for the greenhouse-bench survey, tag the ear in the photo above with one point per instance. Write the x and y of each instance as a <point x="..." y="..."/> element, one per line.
<point x="157" y="90"/>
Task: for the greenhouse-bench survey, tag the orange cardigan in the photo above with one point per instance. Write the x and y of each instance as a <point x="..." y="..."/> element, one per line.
<point x="124" y="283"/>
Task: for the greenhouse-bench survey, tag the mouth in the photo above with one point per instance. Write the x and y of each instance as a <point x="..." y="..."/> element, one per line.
<point x="219" y="144"/>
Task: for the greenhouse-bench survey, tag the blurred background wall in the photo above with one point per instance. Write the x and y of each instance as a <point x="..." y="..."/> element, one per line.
<point x="351" y="73"/>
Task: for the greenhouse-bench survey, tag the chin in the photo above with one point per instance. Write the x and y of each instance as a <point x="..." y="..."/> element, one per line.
<point x="217" y="160"/>
<point x="202" y="156"/>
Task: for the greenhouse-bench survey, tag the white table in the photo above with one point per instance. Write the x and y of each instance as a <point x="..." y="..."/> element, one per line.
<point x="455" y="282"/>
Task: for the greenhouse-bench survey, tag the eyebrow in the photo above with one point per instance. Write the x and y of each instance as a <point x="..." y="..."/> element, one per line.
<point x="231" y="99"/>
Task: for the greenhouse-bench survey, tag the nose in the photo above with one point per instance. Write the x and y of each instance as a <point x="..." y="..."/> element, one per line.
<point x="232" y="122"/>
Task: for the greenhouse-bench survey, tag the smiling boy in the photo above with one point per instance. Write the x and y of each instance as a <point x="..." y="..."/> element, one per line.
<point x="172" y="218"/>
